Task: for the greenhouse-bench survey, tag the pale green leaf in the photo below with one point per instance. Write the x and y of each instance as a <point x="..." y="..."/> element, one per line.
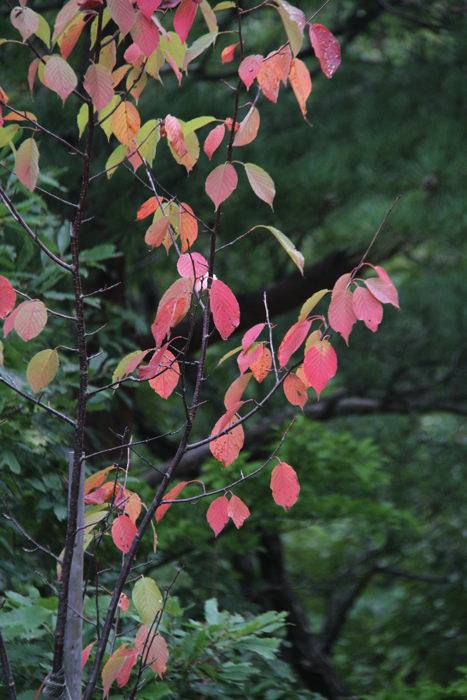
<point x="147" y="139"/>
<point x="196" y="123"/>
<point x="115" y="159"/>
<point x="7" y="134"/>
<point x="311" y="302"/>
<point x="104" y="117"/>
<point x="287" y="245"/>
<point x="147" y="600"/>
<point x="172" y="46"/>
<point x="82" y="119"/>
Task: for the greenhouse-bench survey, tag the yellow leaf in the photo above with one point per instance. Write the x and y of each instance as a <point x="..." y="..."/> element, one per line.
<point x="311" y="302"/>
<point x="41" y="369"/>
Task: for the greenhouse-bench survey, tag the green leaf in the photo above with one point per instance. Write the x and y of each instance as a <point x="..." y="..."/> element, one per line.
<point x="104" y="117"/>
<point x="225" y="5"/>
<point x="147" y="600"/>
<point x="42" y="369"/>
<point x="147" y="139"/>
<point x="43" y="31"/>
<point x="196" y="123"/>
<point x="82" y="119"/>
<point x="229" y="354"/>
<point x="172" y="46"/>
<point x="7" y="133"/>
<point x="116" y="158"/>
<point x="286" y="243"/>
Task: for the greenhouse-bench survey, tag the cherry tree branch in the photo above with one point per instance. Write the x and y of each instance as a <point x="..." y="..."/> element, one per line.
<point x="36" y="402"/>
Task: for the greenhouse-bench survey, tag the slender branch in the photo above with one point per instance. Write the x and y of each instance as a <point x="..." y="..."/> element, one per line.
<point x="49" y="409"/>
<point x="30" y="539"/>
<point x="19" y="219"/>
<point x="7" y="672"/>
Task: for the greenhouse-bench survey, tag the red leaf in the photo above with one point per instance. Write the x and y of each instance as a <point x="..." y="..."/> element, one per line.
<point x="383" y="288"/>
<point x="295" y="390"/>
<point x="248" y="358"/>
<point x="214" y="140"/>
<point x="249" y="68"/>
<point x="147" y="208"/>
<point x="170" y="496"/>
<point x="218" y="514"/>
<point x="168" y="375"/>
<point x="251" y="335"/>
<point x="184" y="18"/>
<point x="326" y="48"/>
<point x="220" y="183"/>
<point x="145" y="34"/>
<point x="285" y="486"/>
<point x="188" y="227"/>
<point x="123" y="602"/>
<point x="262" y="364"/>
<point x="172" y="308"/>
<point x="125" y="671"/>
<point x="192" y="265"/>
<point x="235" y="391"/>
<point x="7" y="297"/>
<point x="292" y="341"/>
<point x="156" y="233"/>
<point x="226" y="448"/>
<point x="85" y="654"/>
<point x="225" y="309"/>
<point x="228" y="54"/>
<point x="367" y="308"/>
<point x="147" y="7"/>
<point x="320" y="365"/>
<point x="341" y="314"/>
<point x="123" y="533"/>
<point x="238" y="511"/>
<point x="300" y="81"/>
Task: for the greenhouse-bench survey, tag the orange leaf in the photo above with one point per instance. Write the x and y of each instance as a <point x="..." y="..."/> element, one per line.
<point x="125" y="123"/>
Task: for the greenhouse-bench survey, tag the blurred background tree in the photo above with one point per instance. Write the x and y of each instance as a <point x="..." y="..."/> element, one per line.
<point x="366" y="574"/>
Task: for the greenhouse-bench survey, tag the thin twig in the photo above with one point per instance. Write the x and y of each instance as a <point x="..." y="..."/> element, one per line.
<point x="49" y="409"/>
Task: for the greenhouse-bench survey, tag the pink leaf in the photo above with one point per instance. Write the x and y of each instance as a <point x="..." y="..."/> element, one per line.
<point x="193" y="265"/>
<point x="7" y="297"/>
<point x="383" y="288"/>
<point x="152" y="647"/>
<point x="123" y="533"/>
<point x="174" y="133"/>
<point x="30" y="319"/>
<point x="274" y="69"/>
<point x="168" y="375"/>
<point x="122" y="13"/>
<point x="60" y="77"/>
<point x="341" y="314"/>
<point x="226" y="448"/>
<point x="85" y="654"/>
<point x="218" y="514"/>
<point x="249" y="69"/>
<point x="251" y="335"/>
<point x="9" y="322"/>
<point x="261" y="183"/>
<point x="248" y="129"/>
<point x="113" y="666"/>
<point x="228" y="54"/>
<point x="184" y="18"/>
<point x="367" y="308"/>
<point x="295" y="390"/>
<point x="170" y="496"/>
<point x="25" y="20"/>
<point x="145" y="34"/>
<point x="292" y="341"/>
<point x="172" y="308"/>
<point x="133" y="55"/>
<point x="98" y="84"/>
<point x="238" y="511"/>
<point x="234" y="393"/>
<point x="326" y="48"/>
<point x="284" y="485"/>
<point x="214" y="140"/>
<point x="225" y="309"/>
<point x="320" y="365"/>
<point x="220" y="183"/>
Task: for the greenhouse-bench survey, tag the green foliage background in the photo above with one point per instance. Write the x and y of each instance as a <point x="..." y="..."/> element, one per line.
<point x="382" y="507"/>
